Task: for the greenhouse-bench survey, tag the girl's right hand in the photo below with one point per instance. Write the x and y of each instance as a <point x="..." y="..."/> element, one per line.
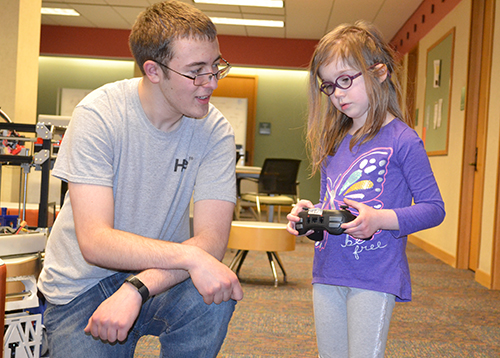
<point x="293" y="217"/>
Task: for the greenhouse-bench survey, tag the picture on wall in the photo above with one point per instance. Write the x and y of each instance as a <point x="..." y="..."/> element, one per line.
<point x="438" y="94"/>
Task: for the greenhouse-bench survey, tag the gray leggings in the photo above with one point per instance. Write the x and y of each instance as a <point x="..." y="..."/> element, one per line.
<point x="351" y="322"/>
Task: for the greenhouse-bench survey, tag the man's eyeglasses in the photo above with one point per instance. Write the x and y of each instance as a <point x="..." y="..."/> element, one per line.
<point x="203" y="78"/>
<point x="343" y="82"/>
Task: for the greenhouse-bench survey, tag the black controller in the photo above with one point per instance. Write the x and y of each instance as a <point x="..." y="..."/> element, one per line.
<point x="319" y="220"/>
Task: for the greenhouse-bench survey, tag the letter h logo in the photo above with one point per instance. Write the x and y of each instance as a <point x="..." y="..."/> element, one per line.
<point x="183" y="165"/>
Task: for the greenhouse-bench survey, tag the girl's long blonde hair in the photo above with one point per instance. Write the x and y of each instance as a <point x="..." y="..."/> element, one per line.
<point x="359" y="46"/>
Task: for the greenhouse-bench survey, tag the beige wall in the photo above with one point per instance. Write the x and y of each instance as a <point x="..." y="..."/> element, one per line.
<point x="442" y="240"/>
<point x="20" y="23"/>
<point x="448" y="168"/>
<point x="20" y="42"/>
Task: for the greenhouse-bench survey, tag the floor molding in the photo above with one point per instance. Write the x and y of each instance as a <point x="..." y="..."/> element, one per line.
<point x="483" y="278"/>
<point x="433" y="250"/>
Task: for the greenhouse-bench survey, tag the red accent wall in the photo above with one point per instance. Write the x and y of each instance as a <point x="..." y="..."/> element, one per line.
<point x="238" y="50"/>
<point x="84" y="42"/>
<point x="423" y="20"/>
<point x="111" y="43"/>
<point x="267" y="52"/>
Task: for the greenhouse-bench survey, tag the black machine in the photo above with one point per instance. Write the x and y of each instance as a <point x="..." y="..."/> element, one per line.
<point x="320" y="220"/>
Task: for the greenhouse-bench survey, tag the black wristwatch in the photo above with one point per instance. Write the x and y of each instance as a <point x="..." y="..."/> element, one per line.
<point x="141" y="287"/>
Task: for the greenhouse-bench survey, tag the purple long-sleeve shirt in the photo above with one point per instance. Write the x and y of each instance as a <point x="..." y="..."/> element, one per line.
<point x="388" y="172"/>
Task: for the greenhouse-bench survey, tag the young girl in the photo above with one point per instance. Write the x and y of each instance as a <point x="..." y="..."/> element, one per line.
<point x="372" y="161"/>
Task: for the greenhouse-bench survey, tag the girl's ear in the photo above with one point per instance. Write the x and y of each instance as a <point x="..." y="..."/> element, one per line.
<point x="152" y="71"/>
<point x="382" y="72"/>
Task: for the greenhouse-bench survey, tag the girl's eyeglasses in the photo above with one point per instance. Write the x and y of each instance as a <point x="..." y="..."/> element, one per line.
<point x="344" y="82"/>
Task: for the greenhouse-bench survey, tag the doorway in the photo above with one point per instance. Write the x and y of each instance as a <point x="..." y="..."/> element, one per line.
<point x="476" y="125"/>
<point x="241" y="86"/>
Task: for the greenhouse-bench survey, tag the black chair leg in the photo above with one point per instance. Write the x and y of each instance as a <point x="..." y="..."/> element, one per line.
<point x="272" y="256"/>
<point x="243" y="256"/>
<point x="273" y="267"/>
<point x="238" y="260"/>
<point x="235" y="259"/>
<point x="275" y="254"/>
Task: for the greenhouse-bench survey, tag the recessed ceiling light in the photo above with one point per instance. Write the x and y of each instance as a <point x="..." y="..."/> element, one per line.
<point x="247" y="22"/>
<point x="61" y="12"/>
<point x="263" y="3"/>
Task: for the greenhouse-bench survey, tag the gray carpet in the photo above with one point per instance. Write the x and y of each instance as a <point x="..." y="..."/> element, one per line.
<point x="451" y="315"/>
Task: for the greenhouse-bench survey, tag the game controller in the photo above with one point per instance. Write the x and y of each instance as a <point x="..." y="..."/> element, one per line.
<point x="319" y="220"/>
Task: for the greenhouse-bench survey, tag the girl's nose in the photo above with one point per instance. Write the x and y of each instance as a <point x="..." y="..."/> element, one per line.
<point x="338" y="92"/>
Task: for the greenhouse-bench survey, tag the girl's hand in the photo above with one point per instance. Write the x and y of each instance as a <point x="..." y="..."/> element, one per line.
<point x="369" y="220"/>
<point x="293" y="217"/>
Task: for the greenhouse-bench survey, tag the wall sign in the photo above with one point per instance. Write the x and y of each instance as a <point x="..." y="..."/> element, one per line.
<point x="438" y="95"/>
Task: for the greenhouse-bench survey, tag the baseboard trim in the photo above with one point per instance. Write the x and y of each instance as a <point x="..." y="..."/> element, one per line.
<point x="433" y="250"/>
<point x="483" y="278"/>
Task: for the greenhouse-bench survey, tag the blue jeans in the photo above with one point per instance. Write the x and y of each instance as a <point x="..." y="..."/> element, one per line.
<point x="185" y="325"/>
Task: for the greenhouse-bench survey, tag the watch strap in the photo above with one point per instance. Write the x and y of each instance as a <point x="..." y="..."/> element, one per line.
<point x="140" y="286"/>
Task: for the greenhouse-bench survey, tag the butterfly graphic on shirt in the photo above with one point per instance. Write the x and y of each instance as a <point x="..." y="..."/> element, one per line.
<point x="363" y="181"/>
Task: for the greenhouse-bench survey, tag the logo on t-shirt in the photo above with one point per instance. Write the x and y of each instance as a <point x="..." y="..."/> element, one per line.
<point x="364" y="182"/>
<point x="180" y="164"/>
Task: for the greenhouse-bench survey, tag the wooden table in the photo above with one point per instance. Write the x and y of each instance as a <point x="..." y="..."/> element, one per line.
<point x="260" y="236"/>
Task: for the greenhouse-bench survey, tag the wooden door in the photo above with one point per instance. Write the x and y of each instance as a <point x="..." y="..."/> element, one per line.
<point x="476" y="124"/>
<point x="242" y="86"/>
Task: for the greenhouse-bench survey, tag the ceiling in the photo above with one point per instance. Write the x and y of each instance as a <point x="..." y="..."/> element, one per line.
<point x="304" y="19"/>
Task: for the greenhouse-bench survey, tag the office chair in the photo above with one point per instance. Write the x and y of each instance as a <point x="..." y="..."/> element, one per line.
<point x="277" y="185"/>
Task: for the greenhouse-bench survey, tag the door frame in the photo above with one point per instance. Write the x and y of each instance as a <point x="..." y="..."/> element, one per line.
<point x="476" y="115"/>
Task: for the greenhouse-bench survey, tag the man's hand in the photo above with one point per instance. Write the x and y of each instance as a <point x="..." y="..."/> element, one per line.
<point x="114" y="317"/>
<point x="214" y="280"/>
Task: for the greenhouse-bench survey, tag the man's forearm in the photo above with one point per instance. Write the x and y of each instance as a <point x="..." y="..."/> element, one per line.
<point x="158" y="281"/>
<point x="108" y="247"/>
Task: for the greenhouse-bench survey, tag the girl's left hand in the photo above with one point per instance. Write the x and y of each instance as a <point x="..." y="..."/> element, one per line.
<point x="369" y="220"/>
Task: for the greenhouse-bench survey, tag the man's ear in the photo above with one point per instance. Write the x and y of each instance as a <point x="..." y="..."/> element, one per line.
<point x="382" y="72"/>
<point x="152" y="71"/>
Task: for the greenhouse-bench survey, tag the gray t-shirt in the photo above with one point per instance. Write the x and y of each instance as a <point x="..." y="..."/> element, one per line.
<point x="110" y="142"/>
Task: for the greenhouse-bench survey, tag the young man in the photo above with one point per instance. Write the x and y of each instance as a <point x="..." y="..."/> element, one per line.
<point x="120" y="262"/>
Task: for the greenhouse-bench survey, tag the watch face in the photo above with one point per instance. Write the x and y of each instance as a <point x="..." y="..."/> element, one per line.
<point x="137" y="283"/>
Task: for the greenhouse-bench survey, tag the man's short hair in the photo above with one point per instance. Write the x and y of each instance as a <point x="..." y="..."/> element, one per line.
<point x="159" y="25"/>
